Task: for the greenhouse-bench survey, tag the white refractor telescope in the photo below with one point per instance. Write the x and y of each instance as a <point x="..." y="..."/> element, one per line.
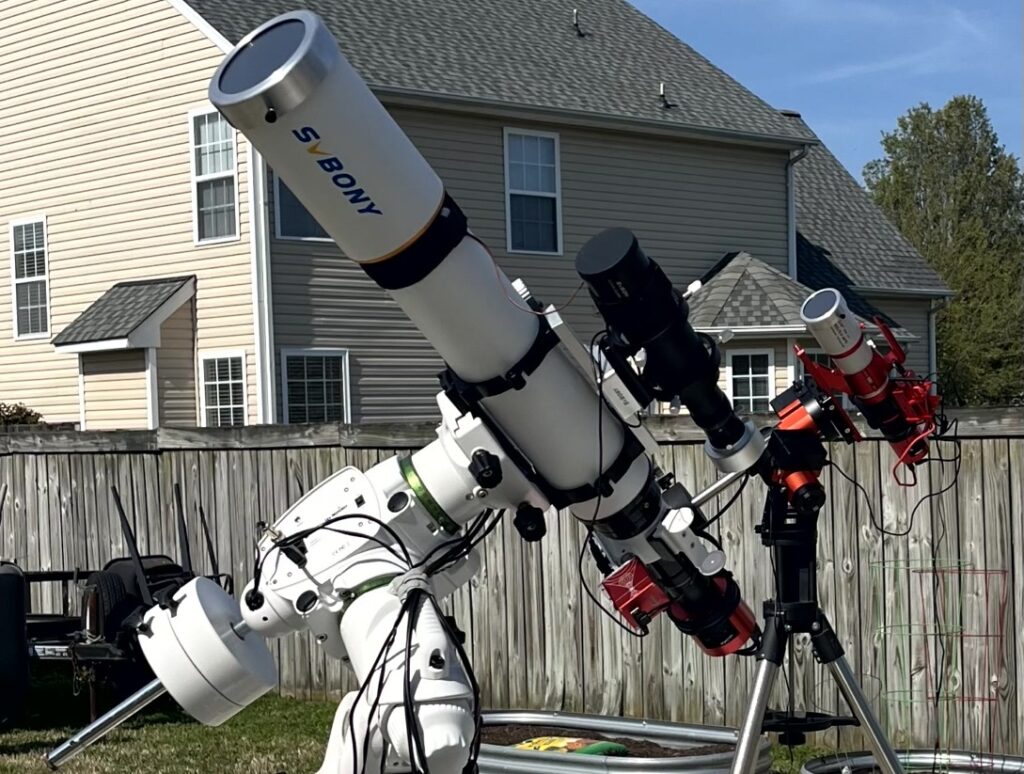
<point x="361" y="559"/>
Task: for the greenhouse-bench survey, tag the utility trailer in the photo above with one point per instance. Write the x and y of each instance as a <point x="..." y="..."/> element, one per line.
<point x="100" y="644"/>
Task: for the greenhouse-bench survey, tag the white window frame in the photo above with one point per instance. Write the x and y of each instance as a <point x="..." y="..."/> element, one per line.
<point x="197" y="179"/>
<point x="557" y="195"/>
<point x="278" y="234"/>
<point x="730" y="353"/>
<point x="32" y="219"/>
<point x="217" y="355"/>
<point x="346" y="386"/>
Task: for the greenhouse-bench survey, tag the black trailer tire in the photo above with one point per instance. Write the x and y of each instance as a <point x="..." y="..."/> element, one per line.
<point x="14" y="662"/>
<point x="111" y="602"/>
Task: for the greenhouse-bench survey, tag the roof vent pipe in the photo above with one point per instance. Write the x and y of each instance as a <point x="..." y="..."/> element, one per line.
<point x="576" y="23"/>
<point x="664" y="98"/>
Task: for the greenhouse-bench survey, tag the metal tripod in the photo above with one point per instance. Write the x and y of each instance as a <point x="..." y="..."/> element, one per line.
<point x="792" y="537"/>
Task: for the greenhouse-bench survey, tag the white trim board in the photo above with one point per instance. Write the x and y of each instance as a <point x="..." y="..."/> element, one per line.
<point x="262" y="298"/>
<point x="152" y="390"/>
<point x="208" y="31"/>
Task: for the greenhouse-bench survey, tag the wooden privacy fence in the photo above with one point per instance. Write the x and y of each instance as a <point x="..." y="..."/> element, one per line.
<point x="930" y="614"/>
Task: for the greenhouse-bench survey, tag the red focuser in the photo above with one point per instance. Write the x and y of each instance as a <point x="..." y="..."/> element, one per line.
<point x="638" y="599"/>
<point x="635" y="594"/>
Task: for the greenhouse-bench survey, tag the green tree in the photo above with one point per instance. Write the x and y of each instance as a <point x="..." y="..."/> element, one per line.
<point x="958" y="196"/>
<point x="18" y="414"/>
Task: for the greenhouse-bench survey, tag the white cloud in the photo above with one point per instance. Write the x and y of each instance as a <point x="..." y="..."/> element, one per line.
<point x="925" y="62"/>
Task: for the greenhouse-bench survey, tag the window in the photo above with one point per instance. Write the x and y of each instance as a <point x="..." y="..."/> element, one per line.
<point x="533" y="206"/>
<point x="751" y="380"/>
<point x="223" y="389"/>
<point x="31" y="279"/>
<point x="213" y="178"/>
<point x="316" y="386"/>
<point x="293" y="220"/>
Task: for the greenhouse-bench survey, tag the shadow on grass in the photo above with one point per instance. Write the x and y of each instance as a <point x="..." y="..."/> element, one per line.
<point x="53" y="705"/>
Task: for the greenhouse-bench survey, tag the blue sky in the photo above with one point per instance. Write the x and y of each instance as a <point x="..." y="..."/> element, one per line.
<point x="851" y="67"/>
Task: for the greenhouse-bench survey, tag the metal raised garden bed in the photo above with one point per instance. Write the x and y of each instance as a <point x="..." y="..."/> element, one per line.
<point x="918" y="760"/>
<point x="507" y="760"/>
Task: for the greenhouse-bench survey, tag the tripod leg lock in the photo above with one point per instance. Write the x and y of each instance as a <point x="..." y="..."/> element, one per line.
<point x="826" y="645"/>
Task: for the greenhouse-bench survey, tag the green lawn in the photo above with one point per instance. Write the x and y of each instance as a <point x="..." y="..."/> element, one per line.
<point x="273" y="735"/>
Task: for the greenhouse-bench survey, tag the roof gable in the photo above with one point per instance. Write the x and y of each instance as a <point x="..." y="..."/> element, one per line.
<point x="124" y="309"/>
<point x="528" y="53"/>
<point x="741" y="291"/>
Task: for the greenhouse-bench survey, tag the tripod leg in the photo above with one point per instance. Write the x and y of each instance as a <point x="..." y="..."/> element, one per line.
<point x="885" y="757"/>
<point x="750" y="732"/>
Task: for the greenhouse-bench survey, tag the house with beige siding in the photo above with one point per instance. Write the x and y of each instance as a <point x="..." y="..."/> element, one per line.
<point x="160" y="274"/>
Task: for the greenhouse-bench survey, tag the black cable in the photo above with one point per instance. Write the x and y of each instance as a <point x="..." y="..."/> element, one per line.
<point x="413" y="729"/>
<point x="381" y="661"/>
<point x="729" y="504"/>
<point x="449" y="559"/>
<point x="599" y="380"/>
<point x="296" y="537"/>
<point x="449" y="545"/>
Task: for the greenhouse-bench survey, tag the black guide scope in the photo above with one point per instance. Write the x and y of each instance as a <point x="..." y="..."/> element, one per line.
<point x="643" y="311"/>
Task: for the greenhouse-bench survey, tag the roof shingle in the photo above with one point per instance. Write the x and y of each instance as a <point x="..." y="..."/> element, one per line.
<point x="845" y="239"/>
<point x="120" y="310"/>
<point x="527" y="53"/>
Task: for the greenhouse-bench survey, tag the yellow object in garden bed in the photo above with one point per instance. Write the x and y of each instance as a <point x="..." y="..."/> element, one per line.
<point x="567" y="744"/>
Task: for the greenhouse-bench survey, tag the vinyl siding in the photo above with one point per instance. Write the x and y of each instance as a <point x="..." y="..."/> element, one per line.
<point x="176" y="370"/>
<point x="115" y="390"/>
<point x="911" y="313"/>
<point x="689" y="203"/>
<point x="96" y="137"/>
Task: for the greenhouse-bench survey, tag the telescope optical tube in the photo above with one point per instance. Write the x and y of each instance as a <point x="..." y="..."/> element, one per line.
<point x="288" y="88"/>
<point x="835" y="328"/>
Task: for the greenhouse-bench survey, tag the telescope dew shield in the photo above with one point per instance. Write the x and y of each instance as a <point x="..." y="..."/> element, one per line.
<point x="835" y="328"/>
<point x="290" y="90"/>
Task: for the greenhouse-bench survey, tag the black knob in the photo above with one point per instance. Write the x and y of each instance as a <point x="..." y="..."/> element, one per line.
<point x="253" y="600"/>
<point x="306" y="601"/>
<point x="485" y="468"/>
<point x="529" y="521"/>
<point x="809" y="499"/>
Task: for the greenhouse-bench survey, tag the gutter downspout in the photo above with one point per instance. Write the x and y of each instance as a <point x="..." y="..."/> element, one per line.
<point x="934" y="306"/>
<point x="263" y="318"/>
<point x="794" y="158"/>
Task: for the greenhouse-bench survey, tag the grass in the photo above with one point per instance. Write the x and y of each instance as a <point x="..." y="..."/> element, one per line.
<point x="274" y="735"/>
<point x="788" y="760"/>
